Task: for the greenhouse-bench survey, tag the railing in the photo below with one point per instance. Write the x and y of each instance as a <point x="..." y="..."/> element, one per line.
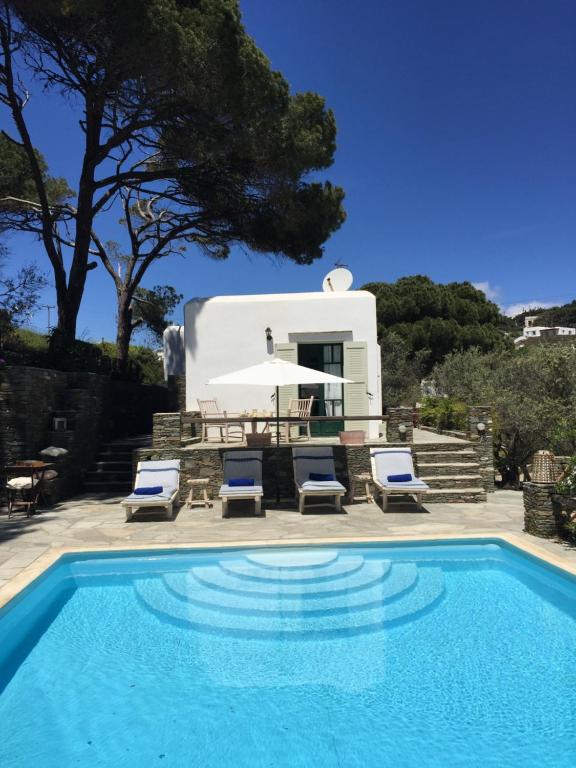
<point x="247" y="419"/>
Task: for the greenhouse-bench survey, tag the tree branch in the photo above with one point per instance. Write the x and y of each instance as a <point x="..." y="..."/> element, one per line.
<point x="15" y="104"/>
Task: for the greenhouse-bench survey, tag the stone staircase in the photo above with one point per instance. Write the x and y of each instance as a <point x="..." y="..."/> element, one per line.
<point x="451" y="470"/>
<point x="111" y="472"/>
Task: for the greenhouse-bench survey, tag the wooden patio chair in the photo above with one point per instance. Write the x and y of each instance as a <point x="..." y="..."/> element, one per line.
<point x="298" y="409"/>
<point x="211" y="409"/>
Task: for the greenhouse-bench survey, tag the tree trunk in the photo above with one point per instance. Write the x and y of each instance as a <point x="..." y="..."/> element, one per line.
<point x="67" y="316"/>
<point x="124" y="329"/>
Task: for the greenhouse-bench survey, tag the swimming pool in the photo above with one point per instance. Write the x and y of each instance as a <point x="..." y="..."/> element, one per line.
<point x="431" y="655"/>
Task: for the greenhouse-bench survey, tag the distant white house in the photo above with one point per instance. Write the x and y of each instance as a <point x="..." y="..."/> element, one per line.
<point x="334" y="331"/>
<point x="542" y="333"/>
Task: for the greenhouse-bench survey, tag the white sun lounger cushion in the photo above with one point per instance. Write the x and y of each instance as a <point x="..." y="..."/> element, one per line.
<point x="241" y="490"/>
<point x="396" y="461"/>
<point x="155" y="473"/>
<point x="322" y="485"/>
<point x="239" y="464"/>
<point x="309" y="461"/>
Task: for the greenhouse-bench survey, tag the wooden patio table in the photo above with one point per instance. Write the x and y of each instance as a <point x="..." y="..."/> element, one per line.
<point x="255" y="417"/>
<point x="36" y="469"/>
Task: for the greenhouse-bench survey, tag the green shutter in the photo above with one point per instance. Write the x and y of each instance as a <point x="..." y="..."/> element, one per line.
<point x="356" y="394"/>
<point x="288" y="352"/>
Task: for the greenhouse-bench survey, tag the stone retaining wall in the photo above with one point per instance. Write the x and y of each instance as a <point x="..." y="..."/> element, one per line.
<point x="29" y="397"/>
<point x="96" y="407"/>
<point x="277" y="468"/>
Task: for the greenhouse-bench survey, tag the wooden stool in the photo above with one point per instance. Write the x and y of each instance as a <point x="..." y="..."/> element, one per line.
<point x="202" y="484"/>
<point x="364" y="478"/>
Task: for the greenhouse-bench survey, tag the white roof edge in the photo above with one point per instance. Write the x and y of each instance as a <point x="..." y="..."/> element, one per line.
<point x="266" y="297"/>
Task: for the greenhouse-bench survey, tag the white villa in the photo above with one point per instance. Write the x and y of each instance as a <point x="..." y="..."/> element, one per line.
<point x="333" y="332"/>
<point x="543" y="333"/>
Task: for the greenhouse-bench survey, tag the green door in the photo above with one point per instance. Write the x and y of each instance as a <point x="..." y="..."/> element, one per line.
<point x="328" y="398"/>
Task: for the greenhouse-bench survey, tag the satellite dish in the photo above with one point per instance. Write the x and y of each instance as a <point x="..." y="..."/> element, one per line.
<point x="339" y="279"/>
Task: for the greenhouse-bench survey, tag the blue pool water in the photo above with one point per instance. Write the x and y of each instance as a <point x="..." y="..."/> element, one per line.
<point x="437" y="656"/>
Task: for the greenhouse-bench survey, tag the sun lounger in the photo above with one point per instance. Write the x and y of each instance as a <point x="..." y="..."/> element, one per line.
<point x="315" y="475"/>
<point x="396" y="463"/>
<point x="163" y="475"/>
<point x="242" y="479"/>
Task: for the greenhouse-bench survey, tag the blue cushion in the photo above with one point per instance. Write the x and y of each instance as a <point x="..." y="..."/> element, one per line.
<point x="150" y="491"/>
<point x="319" y="477"/>
<point x="400" y="478"/>
<point x="236" y="481"/>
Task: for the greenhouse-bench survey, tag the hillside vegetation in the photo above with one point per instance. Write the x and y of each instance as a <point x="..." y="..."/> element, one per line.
<point x="26" y="347"/>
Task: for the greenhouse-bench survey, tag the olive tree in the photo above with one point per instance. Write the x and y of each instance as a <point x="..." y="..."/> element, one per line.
<point x="532" y="391"/>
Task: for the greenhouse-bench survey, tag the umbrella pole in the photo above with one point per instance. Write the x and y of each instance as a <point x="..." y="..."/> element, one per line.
<point x="277" y="443"/>
<point x="277" y="417"/>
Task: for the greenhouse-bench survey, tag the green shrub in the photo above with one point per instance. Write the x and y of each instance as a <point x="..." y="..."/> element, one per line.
<point x="443" y="413"/>
<point x="567" y="486"/>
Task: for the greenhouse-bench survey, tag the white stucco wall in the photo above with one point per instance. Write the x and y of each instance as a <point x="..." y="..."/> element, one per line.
<point x="174" y="363"/>
<point x="225" y="333"/>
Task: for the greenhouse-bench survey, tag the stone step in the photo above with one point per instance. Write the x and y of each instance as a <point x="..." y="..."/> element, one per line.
<point x="111" y="466"/>
<point x="452" y="457"/>
<point x="110" y="454"/>
<point x="116" y="476"/>
<point x="448" y="470"/>
<point x="452" y="481"/>
<point x="462" y="445"/>
<point x="455" y="496"/>
<point x="93" y="486"/>
<point x="112" y="469"/>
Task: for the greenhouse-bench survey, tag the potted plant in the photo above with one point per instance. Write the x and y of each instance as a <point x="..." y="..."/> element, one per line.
<point x="352" y="437"/>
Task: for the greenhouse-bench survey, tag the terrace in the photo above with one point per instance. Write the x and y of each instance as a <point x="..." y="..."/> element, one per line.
<point x="92" y="523"/>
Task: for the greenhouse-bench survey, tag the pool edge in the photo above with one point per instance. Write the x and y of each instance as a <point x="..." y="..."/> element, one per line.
<point x="35" y="570"/>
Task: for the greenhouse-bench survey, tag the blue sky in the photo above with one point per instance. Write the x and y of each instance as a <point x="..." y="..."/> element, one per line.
<point x="456" y="125"/>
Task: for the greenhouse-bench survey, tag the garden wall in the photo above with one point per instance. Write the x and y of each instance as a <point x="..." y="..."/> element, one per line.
<point x="96" y="407"/>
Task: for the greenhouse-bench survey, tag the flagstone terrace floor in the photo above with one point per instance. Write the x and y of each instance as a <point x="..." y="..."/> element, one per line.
<point x="98" y="523"/>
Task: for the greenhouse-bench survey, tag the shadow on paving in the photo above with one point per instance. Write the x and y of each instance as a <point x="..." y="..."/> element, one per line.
<point x="19" y="525"/>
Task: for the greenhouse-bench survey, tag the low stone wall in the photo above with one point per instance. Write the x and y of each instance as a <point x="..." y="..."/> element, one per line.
<point x="542" y="517"/>
<point x="277" y="468"/>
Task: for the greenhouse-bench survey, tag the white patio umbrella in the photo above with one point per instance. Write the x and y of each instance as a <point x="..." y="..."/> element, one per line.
<point x="277" y="373"/>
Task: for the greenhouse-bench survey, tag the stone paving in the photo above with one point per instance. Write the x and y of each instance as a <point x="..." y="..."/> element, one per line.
<point x="98" y="523"/>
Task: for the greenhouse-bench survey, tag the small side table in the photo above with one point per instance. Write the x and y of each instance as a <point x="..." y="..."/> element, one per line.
<point x="201" y="484"/>
<point x="364" y="478"/>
